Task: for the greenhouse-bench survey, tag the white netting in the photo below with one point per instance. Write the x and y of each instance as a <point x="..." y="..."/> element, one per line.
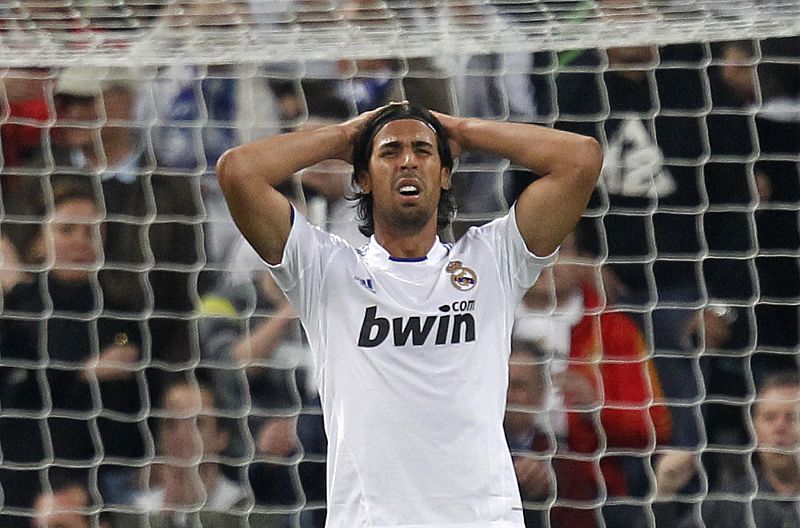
<point x="127" y="105"/>
<point x="57" y="33"/>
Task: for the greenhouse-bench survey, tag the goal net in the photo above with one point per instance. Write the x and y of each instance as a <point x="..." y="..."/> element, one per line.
<point x="149" y="366"/>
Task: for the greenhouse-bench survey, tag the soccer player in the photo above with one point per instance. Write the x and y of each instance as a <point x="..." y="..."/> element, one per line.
<point x="410" y="336"/>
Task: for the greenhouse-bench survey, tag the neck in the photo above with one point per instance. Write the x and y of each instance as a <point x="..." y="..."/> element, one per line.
<point x="117" y="147"/>
<point x="404" y="244"/>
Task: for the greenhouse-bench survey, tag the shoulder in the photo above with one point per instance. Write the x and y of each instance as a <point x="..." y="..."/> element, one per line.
<point x="490" y="230"/>
<point x="304" y="231"/>
<point x="24" y="296"/>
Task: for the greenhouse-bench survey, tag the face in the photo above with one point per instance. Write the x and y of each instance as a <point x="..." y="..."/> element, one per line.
<point x="717" y="326"/>
<point x="84" y="118"/>
<point x="524" y="393"/>
<point x="777" y="425"/>
<point x="70" y="240"/>
<point x="740" y="74"/>
<point x="627" y="12"/>
<point x="193" y="432"/>
<point x="62" y="509"/>
<point x="405" y="176"/>
<point x="643" y="56"/>
<point x="80" y="117"/>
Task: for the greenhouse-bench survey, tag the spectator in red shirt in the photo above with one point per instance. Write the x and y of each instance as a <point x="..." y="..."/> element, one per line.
<point x="603" y="390"/>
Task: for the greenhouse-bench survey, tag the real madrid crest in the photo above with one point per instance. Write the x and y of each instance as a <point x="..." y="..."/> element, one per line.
<point x="462" y="277"/>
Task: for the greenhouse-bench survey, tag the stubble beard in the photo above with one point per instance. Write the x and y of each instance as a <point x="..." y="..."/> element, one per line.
<point x="409" y="219"/>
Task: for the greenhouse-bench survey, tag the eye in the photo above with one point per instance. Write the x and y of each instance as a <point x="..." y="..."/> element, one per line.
<point x="64" y="229"/>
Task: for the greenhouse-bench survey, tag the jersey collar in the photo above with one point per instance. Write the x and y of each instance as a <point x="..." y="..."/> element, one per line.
<point x="378" y="254"/>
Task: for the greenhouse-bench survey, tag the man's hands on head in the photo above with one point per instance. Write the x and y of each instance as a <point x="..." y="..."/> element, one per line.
<point x="352" y="128"/>
<point x="454" y="127"/>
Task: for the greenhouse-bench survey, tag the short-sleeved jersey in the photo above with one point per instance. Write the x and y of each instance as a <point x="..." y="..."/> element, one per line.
<point x="411" y="360"/>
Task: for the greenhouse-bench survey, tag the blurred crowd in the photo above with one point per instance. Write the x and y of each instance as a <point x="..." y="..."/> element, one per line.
<point x="152" y="372"/>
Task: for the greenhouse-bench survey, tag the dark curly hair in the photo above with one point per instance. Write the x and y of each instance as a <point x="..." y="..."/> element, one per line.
<point x="362" y="151"/>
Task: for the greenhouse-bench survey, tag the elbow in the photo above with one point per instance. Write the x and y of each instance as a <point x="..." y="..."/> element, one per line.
<point x="227" y="171"/>
<point x="591" y="160"/>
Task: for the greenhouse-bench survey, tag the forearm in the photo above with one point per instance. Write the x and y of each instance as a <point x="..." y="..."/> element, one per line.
<point x="274" y="159"/>
<point x="249" y="174"/>
<point x="544" y="151"/>
<point x="261" y="343"/>
<point x="567" y="164"/>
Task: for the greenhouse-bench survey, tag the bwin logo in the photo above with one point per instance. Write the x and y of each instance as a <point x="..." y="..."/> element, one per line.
<point x="449" y="328"/>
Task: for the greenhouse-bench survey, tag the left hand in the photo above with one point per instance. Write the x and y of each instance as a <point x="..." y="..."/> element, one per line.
<point x="453" y="125"/>
<point x="116" y="362"/>
<point x="673" y="470"/>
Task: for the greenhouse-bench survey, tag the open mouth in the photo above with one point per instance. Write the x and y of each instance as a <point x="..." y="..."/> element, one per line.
<point x="408" y="186"/>
<point x="409" y="190"/>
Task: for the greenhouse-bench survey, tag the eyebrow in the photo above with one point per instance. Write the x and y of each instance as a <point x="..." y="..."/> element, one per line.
<point x="398" y="143"/>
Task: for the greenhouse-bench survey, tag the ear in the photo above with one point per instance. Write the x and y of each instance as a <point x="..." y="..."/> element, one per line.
<point x="223" y="439"/>
<point x="38" y="250"/>
<point x="445" y="178"/>
<point x="365" y="182"/>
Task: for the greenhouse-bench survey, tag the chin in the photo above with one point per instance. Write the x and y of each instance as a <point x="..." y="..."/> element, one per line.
<point x="412" y="219"/>
<point x="71" y="275"/>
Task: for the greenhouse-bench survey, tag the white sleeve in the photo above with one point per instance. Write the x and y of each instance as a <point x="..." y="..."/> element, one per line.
<point x="518" y="267"/>
<point x="301" y="270"/>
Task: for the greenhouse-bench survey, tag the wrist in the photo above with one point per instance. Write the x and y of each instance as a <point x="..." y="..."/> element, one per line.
<point x="464" y="132"/>
<point x="347" y="135"/>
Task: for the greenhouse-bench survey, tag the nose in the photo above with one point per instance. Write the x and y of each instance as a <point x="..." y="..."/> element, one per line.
<point x="408" y="159"/>
<point x="83" y="235"/>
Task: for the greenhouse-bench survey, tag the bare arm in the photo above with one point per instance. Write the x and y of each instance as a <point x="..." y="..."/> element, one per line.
<point x="248" y="175"/>
<point x="568" y="165"/>
<point x="262" y="342"/>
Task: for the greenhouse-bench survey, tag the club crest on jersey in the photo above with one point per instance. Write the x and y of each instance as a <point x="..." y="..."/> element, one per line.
<point x="461" y="277"/>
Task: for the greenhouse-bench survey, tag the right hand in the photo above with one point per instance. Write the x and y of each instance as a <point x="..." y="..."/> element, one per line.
<point x="674" y="470"/>
<point x="351" y="129"/>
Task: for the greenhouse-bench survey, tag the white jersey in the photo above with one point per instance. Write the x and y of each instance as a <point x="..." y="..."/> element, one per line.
<point x="411" y="361"/>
